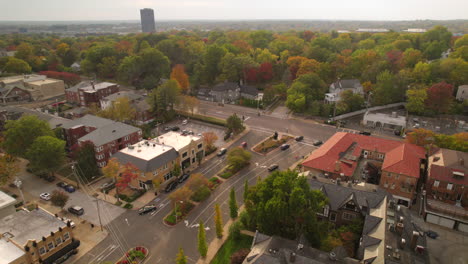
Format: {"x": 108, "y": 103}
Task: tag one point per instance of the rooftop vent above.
{"x": 131, "y": 147}
{"x": 113, "y": 131}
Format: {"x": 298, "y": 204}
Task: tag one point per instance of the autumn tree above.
{"x": 46, "y": 153}
{"x": 121, "y": 110}
{"x": 209, "y": 138}
{"x": 420, "y": 137}
{"x": 238, "y": 158}
{"x": 15, "y": 65}
{"x": 196, "y": 181}
{"x": 233, "y": 204}
{"x": 59, "y": 198}
{"x": 180, "y": 195}
{"x": 189, "y": 103}
{"x": 111, "y": 170}
{"x": 178, "y": 74}
{"x": 416, "y": 99}
{"x": 9, "y": 168}
{"x": 440, "y": 97}
{"x": 218, "y": 218}
{"x": 181, "y": 258}
{"x": 129, "y": 173}
{"x": 202, "y": 246}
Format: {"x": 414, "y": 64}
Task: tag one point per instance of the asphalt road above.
{"x": 130, "y": 229}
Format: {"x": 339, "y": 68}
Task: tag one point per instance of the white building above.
{"x": 340, "y": 86}
{"x": 189, "y": 147}
{"x": 381, "y": 120}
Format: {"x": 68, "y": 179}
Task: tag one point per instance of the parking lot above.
{"x": 196, "y": 126}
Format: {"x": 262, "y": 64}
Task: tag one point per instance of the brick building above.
{"x": 107, "y": 136}
{"x": 343, "y": 155}
{"x": 86, "y": 93}
{"x": 39, "y": 87}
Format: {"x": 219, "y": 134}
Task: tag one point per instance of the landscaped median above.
{"x": 134, "y": 256}
{"x": 208, "y": 119}
{"x": 270, "y": 143}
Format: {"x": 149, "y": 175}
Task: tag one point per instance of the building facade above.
{"x": 147, "y": 20}
{"x": 190, "y": 148}
{"x": 39, "y": 87}
{"x": 87, "y": 93}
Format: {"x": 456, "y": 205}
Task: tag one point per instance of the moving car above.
{"x": 61, "y": 185}
{"x": 244, "y": 144}
{"x": 171, "y": 186}
{"x": 221, "y": 152}
{"x": 77, "y": 210}
{"x": 284, "y": 147}
{"x": 317, "y": 143}
{"x": 299, "y": 138}
{"x": 184, "y": 177}
{"x": 69, "y": 188}
{"x": 45, "y": 196}
{"x": 273, "y": 167}
{"x": 147, "y": 209}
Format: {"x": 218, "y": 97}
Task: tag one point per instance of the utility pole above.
{"x": 99, "y": 213}
{"x": 18, "y": 184}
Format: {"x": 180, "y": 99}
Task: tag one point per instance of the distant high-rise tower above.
{"x": 147, "y": 20}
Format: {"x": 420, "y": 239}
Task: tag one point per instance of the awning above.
{"x": 74, "y": 244}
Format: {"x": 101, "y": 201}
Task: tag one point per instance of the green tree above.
{"x": 59, "y": 198}
{"x": 260, "y": 38}
{"x": 422, "y": 72}
{"x": 305, "y": 89}
{"x": 238, "y": 158}
{"x": 20, "y": 134}
{"x": 85, "y": 157}
{"x": 384, "y": 90}
{"x": 9, "y": 168}
{"x": 416, "y": 99}
{"x": 164, "y": 97}
{"x": 350, "y": 101}
{"x": 234, "y": 124}
{"x": 121, "y": 110}
{"x": 211, "y": 59}
{"x": 46, "y": 153}
{"x": 202, "y": 246}
{"x": 181, "y": 258}
{"x": 218, "y": 218}
{"x": 233, "y": 204}
{"x": 176, "y": 170}
{"x": 15, "y": 65}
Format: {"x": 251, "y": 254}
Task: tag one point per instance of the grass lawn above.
{"x": 230, "y": 247}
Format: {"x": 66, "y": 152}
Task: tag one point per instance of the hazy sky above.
{"x": 234, "y": 9}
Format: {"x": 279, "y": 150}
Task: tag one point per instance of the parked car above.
{"x": 184, "y": 177}
{"x": 147, "y": 209}
{"x": 61, "y": 185}
{"x": 284, "y": 147}
{"x": 221, "y": 152}
{"x": 49, "y": 178}
{"x": 432, "y": 234}
{"x": 273, "y": 167}
{"x": 107, "y": 186}
{"x": 299, "y": 138}
{"x": 171, "y": 186}
{"x": 365, "y": 133}
{"x": 66, "y": 220}
{"x": 397, "y": 132}
{"x": 70, "y": 188}
{"x": 184, "y": 122}
{"x": 45, "y": 196}
{"x": 243, "y": 144}
{"x": 176, "y": 128}
{"x": 191, "y": 132}
{"x": 317, "y": 143}
{"x": 77, "y": 210}
{"x": 167, "y": 128}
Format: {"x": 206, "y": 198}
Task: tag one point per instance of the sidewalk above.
{"x": 143, "y": 200}
{"x": 89, "y": 238}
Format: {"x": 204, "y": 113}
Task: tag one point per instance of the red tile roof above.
{"x": 448, "y": 162}
{"x": 400, "y": 157}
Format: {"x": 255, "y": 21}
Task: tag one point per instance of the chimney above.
{"x": 337, "y": 165}
{"x": 292, "y": 257}
{"x": 394, "y": 114}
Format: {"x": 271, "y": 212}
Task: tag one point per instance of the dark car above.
{"x": 299, "y": 138}
{"x": 243, "y": 144}
{"x": 432, "y": 234}
{"x": 50, "y": 178}
{"x": 171, "y": 186}
{"x": 284, "y": 147}
{"x": 70, "y": 188}
{"x": 77, "y": 210}
{"x": 397, "y": 132}
{"x": 176, "y": 128}
{"x": 61, "y": 184}
{"x": 147, "y": 209}
{"x": 317, "y": 143}
{"x": 221, "y": 152}
{"x": 365, "y": 133}
{"x": 184, "y": 177}
{"x": 273, "y": 167}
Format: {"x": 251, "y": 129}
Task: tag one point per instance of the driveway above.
{"x": 33, "y": 186}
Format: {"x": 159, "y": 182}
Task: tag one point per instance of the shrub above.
{"x": 234, "y": 230}
{"x": 170, "y": 219}
{"x": 118, "y": 203}
{"x": 226, "y": 175}
{"x": 135, "y": 254}
{"x": 128, "y": 206}
{"x": 201, "y": 194}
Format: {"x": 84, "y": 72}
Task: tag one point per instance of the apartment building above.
{"x": 87, "y": 93}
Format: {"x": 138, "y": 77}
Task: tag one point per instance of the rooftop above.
{"x": 16, "y": 112}
{"x": 130, "y": 95}
{"x": 109, "y": 132}
{"x": 33, "y": 225}
{"x": 147, "y": 155}
{"x": 176, "y": 140}
{"x": 87, "y": 86}
{"x": 44, "y": 81}
{"x": 6, "y": 200}
{"x": 9, "y": 252}
{"x": 89, "y": 121}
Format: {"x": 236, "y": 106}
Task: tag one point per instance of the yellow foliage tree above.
{"x": 178, "y": 74}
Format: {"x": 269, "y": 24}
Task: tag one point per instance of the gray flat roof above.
{"x": 109, "y": 133}
{"x": 6, "y": 200}
{"x": 24, "y": 225}
{"x": 88, "y": 120}
{"x": 9, "y": 252}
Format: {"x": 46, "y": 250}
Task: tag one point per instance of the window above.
{"x": 193, "y": 152}
{"x": 380, "y": 156}
{"x": 99, "y": 149}
{"x": 50, "y": 246}
{"x": 326, "y": 210}
{"x": 450, "y": 186}
{"x": 155, "y": 172}
{"x": 199, "y": 146}
{"x": 389, "y": 174}
{"x": 436, "y": 183}
{"x": 167, "y": 176}
{"x": 42, "y": 250}
{"x": 333, "y": 217}
{"x": 347, "y": 216}
{"x": 184, "y": 155}
{"x": 66, "y": 236}
{"x": 386, "y": 185}
{"x": 165, "y": 166}
{"x": 126, "y": 138}
{"x": 58, "y": 241}
{"x": 193, "y": 160}
{"x": 139, "y": 132}
{"x": 393, "y": 186}
{"x": 397, "y": 176}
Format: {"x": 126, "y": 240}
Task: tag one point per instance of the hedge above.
{"x": 208, "y": 119}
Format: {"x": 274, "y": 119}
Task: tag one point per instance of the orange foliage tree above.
{"x": 209, "y": 138}
{"x": 178, "y": 74}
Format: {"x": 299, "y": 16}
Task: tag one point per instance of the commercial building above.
{"x": 385, "y": 121}
{"x": 147, "y": 20}
{"x": 345, "y": 156}
{"x": 87, "y": 93}
{"x": 33, "y": 237}
{"x": 34, "y": 87}
{"x": 7, "y": 204}
{"x": 190, "y": 148}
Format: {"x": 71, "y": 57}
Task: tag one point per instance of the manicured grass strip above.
{"x": 208, "y": 119}
{"x": 230, "y": 247}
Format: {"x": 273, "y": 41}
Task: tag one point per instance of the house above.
{"x": 226, "y": 92}
{"x": 462, "y": 93}
{"x": 7, "y": 205}
{"x": 343, "y": 155}
{"x": 37, "y": 236}
{"x": 16, "y": 112}
{"x": 15, "y": 93}
{"x": 340, "y": 86}
{"x": 109, "y": 100}
{"x": 107, "y": 136}
{"x": 39, "y": 87}
{"x": 386, "y": 121}
{"x": 189, "y": 147}
{"x": 277, "y": 250}
{"x": 446, "y": 195}
{"x": 204, "y": 94}
{"x": 143, "y": 114}
{"x": 76, "y": 67}
{"x": 154, "y": 161}
{"x": 87, "y": 93}
{"x": 249, "y": 92}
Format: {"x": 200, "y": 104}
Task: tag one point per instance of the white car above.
{"x": 45, "y": 196}
{"x": 66, "y": 220}
{"x": 184, "y": 122}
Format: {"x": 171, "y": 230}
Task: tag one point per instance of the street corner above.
{"x": 89, "y": 236}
